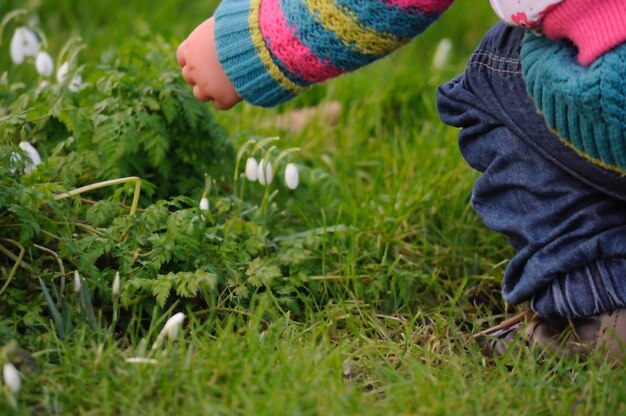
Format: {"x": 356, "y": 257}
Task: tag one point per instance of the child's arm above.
{"x": 268, "y": 51}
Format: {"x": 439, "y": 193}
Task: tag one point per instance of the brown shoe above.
{"x": 605, "y": 333}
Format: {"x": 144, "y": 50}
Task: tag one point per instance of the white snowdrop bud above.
{"x": 251, "y": 169}
{"x": 31, "y": 43}
{"x": 33, "y": 155}
{"x": 44, "y": 64}
{"x": 11, "y": 377}
{"x": 440, "y": 59}
{"x": 204, "y": 203}
{"x": 62, "y": 72}
{"x": 115, "y": 290}
{"x": 24, "y": 43}
{"x": 265, "y": 172}
{"x": 171, "y": 326}
{"x": 16, "y": 48}
{"x": 291, "y": 176}
{"x": 77, "y": 281}
{"x": 75, "y": 83}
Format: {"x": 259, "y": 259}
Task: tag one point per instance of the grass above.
{"x": 389, "y": 172}
{"x": 343, "y": 360}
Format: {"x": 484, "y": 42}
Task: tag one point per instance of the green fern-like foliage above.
{"x": 134, "y": 116}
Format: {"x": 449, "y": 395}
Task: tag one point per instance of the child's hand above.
{"x": 201, "y": 69}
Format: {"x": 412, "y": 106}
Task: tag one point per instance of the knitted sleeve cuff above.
{"x": 244, "y": 57}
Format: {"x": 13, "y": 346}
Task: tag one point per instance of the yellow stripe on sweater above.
{"x": 264, "y": 54}
{"x": 344, "y": 24}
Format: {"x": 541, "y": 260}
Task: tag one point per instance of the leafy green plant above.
{"x": 130, "y": 133}
{"x": 170, "y": 248}
{"x": 132, "y": 116}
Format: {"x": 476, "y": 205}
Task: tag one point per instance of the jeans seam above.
{"x": 505, "y": 71}
{"x": 497, "y": 57}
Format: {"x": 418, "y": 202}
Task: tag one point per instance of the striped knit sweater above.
{"x": 272, "y": 50}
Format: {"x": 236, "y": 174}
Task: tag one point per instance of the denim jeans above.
{"x": 565, "y": 217}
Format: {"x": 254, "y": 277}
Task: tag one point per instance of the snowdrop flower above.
{"x": 62, "y": 72}
{"x": 291, "y": 176}
{"x": 77, "y": 282}
{"x": 23, "y": 44}
{"x": 44, "y": 64}
{"x": 251, "y": 169}
{"x": 33, "y": 155}
{"x": 170, "y": 329}
{"x": 115, "y": 290}
{"x": 31, "y": 43}
{"x": 75, "y": 83}
{"x": 204, "y": 204}
{"x": 11, "y": 377}
{"x": 265, "y": 172}
{"x": 17, "y": 48}
{"x": 440, "y": 59}
{"x": 171, "y": 326}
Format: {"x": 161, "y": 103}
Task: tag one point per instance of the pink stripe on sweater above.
{"x": 429, "y": 6}
{"x": 285, "y": 45}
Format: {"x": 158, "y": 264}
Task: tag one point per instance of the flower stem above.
{"x": 240, "y": 153}
{"x": 61, "y": 268}
{"x": 18, "y": 261}
{"x": 104, "y": 184}
{"x": 8, "y": 17}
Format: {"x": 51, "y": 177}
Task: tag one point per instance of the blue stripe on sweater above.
{"x": 381, "y": 17}
{"x": 323, "y": 43}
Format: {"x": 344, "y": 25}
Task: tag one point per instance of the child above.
{"x": 553, "y": 182}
